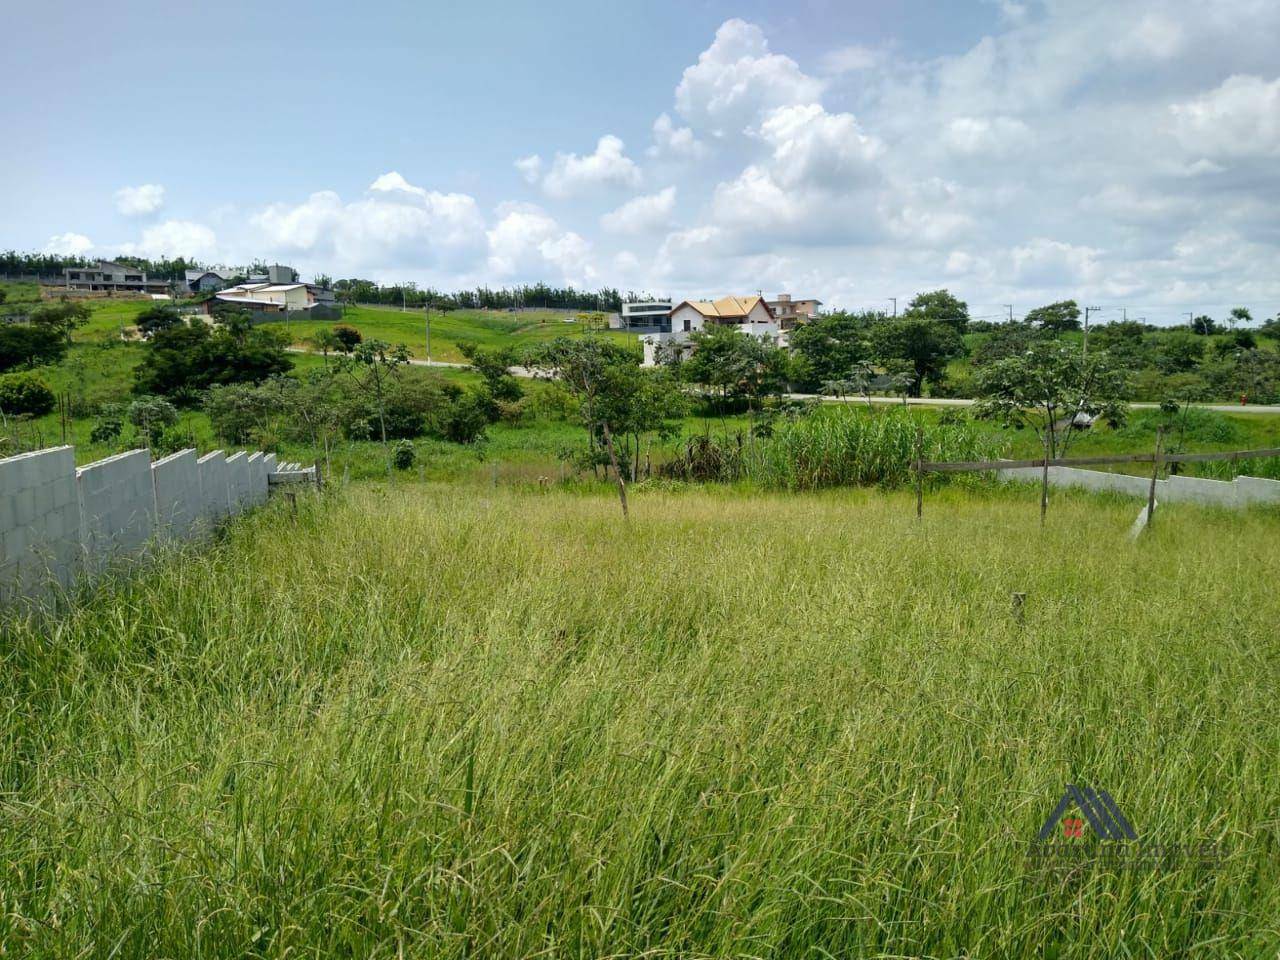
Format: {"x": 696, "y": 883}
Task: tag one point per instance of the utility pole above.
{"x": 1191, "y": 320}
{"x": 1085, "y": 346}
{"x": 427, "y": 308}
{"x": 1009, "y": 306}
{"x": 895, "y": 305}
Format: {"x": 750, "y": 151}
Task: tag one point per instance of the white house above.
{"x": 749, "y": 315}
{"x": 268, "y": 296}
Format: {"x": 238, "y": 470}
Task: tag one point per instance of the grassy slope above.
{"x": 442, "y": 722}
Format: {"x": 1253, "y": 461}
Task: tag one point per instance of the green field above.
{"x": 448, "y": 721}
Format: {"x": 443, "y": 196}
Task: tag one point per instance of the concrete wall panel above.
{"x": 117, "y": 506}
{"x": 179, "y": 508}
{"x": 214, "y": 495}
{"x": 1256, "y": 490}
{"x": 238, "y": 482}
{"x": 257, "y": 479}
{"x": 1214, "y": 493}
{"x": 39, "y": 523}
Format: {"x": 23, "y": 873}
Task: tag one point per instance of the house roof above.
{"x": 726, "y": 308}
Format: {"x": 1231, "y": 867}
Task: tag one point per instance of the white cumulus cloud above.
{"x": 527, "y": 244}
{"x": 72, "y": 244}
{"x": 1239, "y": 118}
{"x": 571, "y": 175}
{"x": 140, "y": 201}
{"x": 737, "y": 79}
{"x": 642, "y": 214}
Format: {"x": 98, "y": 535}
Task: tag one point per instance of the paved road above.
{"x": 912, "y": 401}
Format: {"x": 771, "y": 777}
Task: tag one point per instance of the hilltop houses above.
{"x": 106, "y": 276}
{"x": 752, "y": 315}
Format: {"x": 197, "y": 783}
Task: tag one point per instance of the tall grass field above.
{"x": 455, "y": 721}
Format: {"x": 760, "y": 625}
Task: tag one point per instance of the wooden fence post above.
{"x": 919, "y": 472}
{"x": 1155, "y": 473}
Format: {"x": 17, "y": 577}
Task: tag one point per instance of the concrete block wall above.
{"x": 39, "y": 522}
{"x": 238, "y": 481}
{"x": 117, "y": 506}
{"x": 58, "y": 522}
{"x": 1215, "y": 493}
{"x": 257, "y": 479}
{"x": 215, "y": 499}
{"x": 179, "y": 508}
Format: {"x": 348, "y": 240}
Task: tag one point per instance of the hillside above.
{"x": 443, "y": 721}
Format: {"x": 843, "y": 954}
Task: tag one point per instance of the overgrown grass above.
{"x": 833, "y": 446}
{"x": 440, "y": 721}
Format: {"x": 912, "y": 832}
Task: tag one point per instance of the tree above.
{"x": 348, "y": 337}
{"x": 494, "y": 366}
{"x": 155, "y": 318}
{"x": 372, "y": 367}
{"x": 63, "y": 316}
{"x": 1179, "y": 352}
{"x": 926, "y": 345}
{"x": 1007, "y": 340}
{"x": 326, "y": 341}
{"x": 831, "y": 346}
{"x": 1048, "y": 388}
{"x": 598, "y": 373}
{"x": 1058, "y": 317}
{"x": 1204, "y": 326}
{"x": 25, "y": 395}
{"x": 1240, "y": 315}
{"x": 940, "y": 306}
{"x": 736, "y": 365}
{"x": 24, "y": 345}
{"x": 183, "y": 361}
{"x": 151, "y": 415}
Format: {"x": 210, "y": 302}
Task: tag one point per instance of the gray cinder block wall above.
{"x": 39, "y": 522}
{"x": 238, "y": 481}
{"x": 214, "y": 493}
{"x": 179, "y": 506}
{"x": 117, "y": 506}
{"x": 258, "y": 482}
{"x": 1214, "y": 493}
{"x": 58, "y": 522}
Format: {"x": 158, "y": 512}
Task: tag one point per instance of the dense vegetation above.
{"x": 421, "y": 721}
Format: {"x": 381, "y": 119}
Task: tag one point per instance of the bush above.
{"x": 107, "y": 429}
{"x": 347, "y": 337}
{"x": 24, "y": 345}
{"x": 25, "y": 395}
{"x": 403, "y": 455}
{"x": 152, "y": 414}
{"x": 467, "y": 417}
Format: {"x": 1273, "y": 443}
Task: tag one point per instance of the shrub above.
{"x": 25, "y": 395}
{"x": 347, "y": 337}
{"x": 152, "y": 414}
{"x": 25, "y": 345}
{"x": 467, "y": 417}
{"x": 403, "y": 455}
{"x": 107, "y": 429}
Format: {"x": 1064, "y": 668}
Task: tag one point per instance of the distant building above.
{"x": 209, "y": 281}
{"x": 651, "y": 316}
{"x": 113, "y": 277}
{"x": 789, "y": 312}
{"x": 266, "y": 297}
{"x": 750, "y": 315}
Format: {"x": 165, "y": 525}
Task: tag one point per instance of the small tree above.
{"x": 25, "y": 395}
{"x": 326, "y": 341}
{"x": 63, "y": 316}
{"x": 1048, "y": 388}
{"x": 372, "y": 366}
{"x": 348, "y": 337}
{"x": 157, "y": 318}
{"x": 926, "y": 345}
{"x": 1057, "y": 317}
{"x": 1240, "y": 315}
{"x": 150, "y": 415}
{"x": 598, "y": 373}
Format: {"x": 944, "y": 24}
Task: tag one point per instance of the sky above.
{"x": 1125, "y": 154}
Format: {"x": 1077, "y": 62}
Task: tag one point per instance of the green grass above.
{"x": 486, "y": 328}
{"x": 445, "y": 721}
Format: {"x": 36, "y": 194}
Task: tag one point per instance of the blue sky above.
{"x": 1122, "y": 153}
